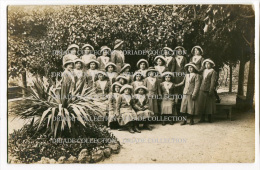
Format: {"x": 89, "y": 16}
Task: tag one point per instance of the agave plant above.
{"x": 58, "y": 111}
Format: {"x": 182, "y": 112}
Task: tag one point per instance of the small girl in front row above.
{"x": 141, "y": 105}
{"x": 115, "y": 93}
{"x": 190, "y": 92}
{"x": 125, "y": 112}
{"x": 167, "y": 106}
{"x": 138, "y": 80}
{"x": 207, "y": 100}
{"x": 104, "y": 59}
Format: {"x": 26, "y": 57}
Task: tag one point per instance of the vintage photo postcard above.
{"x": 111, "y": 84}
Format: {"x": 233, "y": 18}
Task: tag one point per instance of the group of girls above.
{"x": 150, "y": 91}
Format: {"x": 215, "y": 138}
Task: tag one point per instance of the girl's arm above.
{"x": 118, "y": 105}
{"x": 181, "y": 83}
{"x": 212, "y": 83}
{"x": 197, "y": 87}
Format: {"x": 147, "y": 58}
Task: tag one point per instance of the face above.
{"x": 142, "y": 66}
{"x": 126, "y": 70}
{"x": 168, "y": 78}
{"x": 105, "y": 52}
{"x": 179, "y": 52}
{"x": 92, "y": 66}
{"x": 159, "y": 62}
{"x": 117, "y": 89}
{"x": 110, "y": 69}
{"x": 127, "y": 91}
{"x": 196, "y": 51}
{"x": 208, "y": 65}
{"x": 191, "y": 69}
{"x": 138, "y": 77}
{"x": 151, "y": 74}
{"x": 166, "y": 52}
{"x": 78, "y": 65}
{"x": 100, "y": 76}
{"x": 70, "y": 66}
{"x": 122, "y": 81}
{"x": 87, "y": 50}
{"x": 141, "y": 91}
{"x": 73, "y": 51}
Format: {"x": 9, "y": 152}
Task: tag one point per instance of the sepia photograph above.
{"x": 113, "y": 84}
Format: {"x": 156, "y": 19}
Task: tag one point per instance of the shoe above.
{"x": 163, "y": 123}
{"x": 147, "y": 126}
{"x": 171, "y": 122}
{"x": 136, "y": 129}
{"x": 201, "y": 120}
{"x": 130, "y": 129}
{"x": 191, "y": 122}
{"x": 184, "y": 123}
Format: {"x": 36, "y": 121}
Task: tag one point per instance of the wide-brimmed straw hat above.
{"x": 141, "y": 87}
{"x": 210, "y": 61}
{"x": 142, "y": 60}
{"x": 193, "y": 65}
{"x": 121, "y": 76}
{"x": 115, "y": 84}
{"x": 88, "y": 45}
{"x": 67, "y": 60}
{"x": 160, "y": 57}
{"x": 198, "y": 47}
{"x": 105, "y": 48}
{"x": 151, "y": 69}
{"x": 79, "y": 60}
{"x": 101, "y": 72}
{"x": 126, "y": 86}
{"x": 167, "y": 73}
{"x": 110, "y": 64}
{"x": 118, "y": 42}
{"x": 92, "y": 61}
{"x": 125, "y": 66}
{"x": 73, "y": 46}
{"x": 168, "y": 48}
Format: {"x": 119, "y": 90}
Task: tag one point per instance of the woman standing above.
{"x": 197, "y": 58}
{"x": 80, "y": 76}
{"x": 104, "y": 59}
{"x": 170, "y": 61}
{"x": 138, "y": 80}
{"x": 190, "y": 92}
{"x": 125, "y": 72}
{"x": 88, "y": 50}
{"x": 117, "y": 56}
{"x": 207, "y": 104}
{"x": 71, "y": 53}
{"x": 111, "y": 72}
{"x": 142, "y": 65}
{"x": 91, "y": 73}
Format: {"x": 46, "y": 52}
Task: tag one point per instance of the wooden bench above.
{"x": 222, "y": 106}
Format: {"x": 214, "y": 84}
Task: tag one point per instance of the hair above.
{"x": 94, "y": 63}
{"x": 167, "y": 75}
{"x": 146, "y": 65}
{"x": 195, "y": 71}
{"x": 141, "y": 76}
{"x": 164, "y": 63}
{"x": 145, "y": 91}
{"x": 197, "y": 49}
{"x": 65, "y": 65}
{"x": 114, "y": 68}
{"x": 113, "y": 89}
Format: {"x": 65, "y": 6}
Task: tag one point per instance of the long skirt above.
{"x": 206, "y": 103}
{"x": 188, "y": 105}
{"x": 167, "y": 107}
{"x": 111, "y": 117}
{"x": 153, "y": 105}
{"x": 142, "y": 115}
{"x": 126, "y": 115}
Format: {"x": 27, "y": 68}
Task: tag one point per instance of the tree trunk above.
{"x": 230, "y": 77}
{"x": 23, "y": 73}
{"x": 251, "y": 82}
{"x": 240, "y": 90}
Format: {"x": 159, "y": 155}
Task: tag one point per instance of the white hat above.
{"x": 91, "y": 61}
{"x": 142, "y": 60}
{"x": 167, "y": 73}
{"x": 115, "y": 84}
{"x": 78, "y": 60}
{"x": 141, "y": 87}
{"x": 161, "y": 57}
{"x": 118, "y": 42}
{"x": 73, "y": 46}
{"x": 125, "y": 66}
{"x": 121, "y": 76}
{"x": 88, "y": 45}
{"x": 151, "y": 69}
{"x": 210, "y": 61}
{"x": 105, "y": 48}
{"x": 67, "y": 60}
{"x": 101, "y": 72}
{"x": 168, "y": 48}
{"x": 191, "y": 64}
{"x": 126, "y": 86}
{"x": 110, "y": 64}
{"x": 198, "y": 48}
